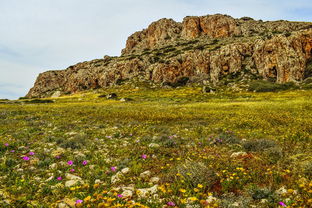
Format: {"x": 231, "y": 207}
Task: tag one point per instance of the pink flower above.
{"x": 119, "y": 195}
{"x": 79, "y": 201}
{"x": 282, "y": 204}
{"x": 113, "y": 168}
{"x": 12, "y": 151}
{"x": 144, "y": 156}
{"x": 58, "y": 156}
{"x": 26, "y": 158}
{"x": 85, "y": 162}
{"x": 72, "y": 170}
{"x": 171, "y": 204}
{"x": 6, "y": 144}
{"x": 70, "y": 162}
{"x": 31, "y": 153}
{"x": 59, "y": 178}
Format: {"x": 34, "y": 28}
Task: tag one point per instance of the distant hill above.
{"x": 206, "y": 49}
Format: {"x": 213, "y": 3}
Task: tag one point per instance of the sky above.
{"x": 41, "y": 35}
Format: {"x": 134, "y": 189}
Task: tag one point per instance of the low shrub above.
{"x": 195, "y": 173}
{"x": 266, "y": 86}
{"x": 308, "y": 169}
{"x": 273, "y": 154}
{"x": 259, "y": 145}
{"x": 76, "y": 142}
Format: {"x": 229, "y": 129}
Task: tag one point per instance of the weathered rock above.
{"x": 153, "y": 145}
{"x": 73, "y": 180}
{"x": 56, "y": 94}
{"x": 71, "y": 183}
{"x": 145, "y": 174}
{"x": 238, "y": 154}
{"x": 59, "y": 151}
{"x": 201, "y": 49}
{"x": 117, "y": 177}
{"x": 147, "y": 192}
{"x": 155, "y": 180}
{"x": 125, "y": 170}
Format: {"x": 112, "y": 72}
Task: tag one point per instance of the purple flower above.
{"x": 72, "y": 170}
{"x": 59, "y": 178}
{"x": 171, "y": 204}
{"x": 26, "y": 158}
{"x": 31, "y": 153}
{"x": 58, "y": 156}
{"x": 85, "y": 162}
{"x": 282, "y": 204}
{"x": 79, "y": 201}
{"x": 113, "y": 168}
{"x": 144, "y": 156}
{"x": 119, "y": 195}
{"x": 12, "y": 151}
{"x": 6, "y": 144}
{"x": 70, "y": 162}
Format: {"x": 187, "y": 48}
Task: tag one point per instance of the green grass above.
{"x": 192, "y": 129}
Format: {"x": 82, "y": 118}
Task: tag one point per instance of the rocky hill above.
{"x": 200, "y": 49}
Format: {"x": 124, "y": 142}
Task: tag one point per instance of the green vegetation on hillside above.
{"x": 161, "y": 148}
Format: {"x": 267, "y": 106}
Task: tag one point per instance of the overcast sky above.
{"x": 41, "y": 35}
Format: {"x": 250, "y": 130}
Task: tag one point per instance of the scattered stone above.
{"x": 70, "y": 202}
{"x": 50, "y": 178}
{"x": 71, "y": 183}
{"x": 72, "y": 177}
{"x": 211, "y": 199}
{"x": 53, "y": 166}
{"x": 117, "y": 177}
{"x": 281, "y": 191}
{"x": 127, "y": 193}
{"x": 98, "y": 181}
{"x": 147, "y": 192}
{"x": 111, "y": 96}
{"x": 238, "y": 154}
{"x": 125, "y": 170}
{"x": 56, "y": 94}
{"x": 145, "y": 174}
{"x": 153, "y": 145}
{"x": 73, "y": 180}
{"x": 58, "y": 151}
{"x": 235, "y": 204}
{"x": 63, "y": 205}
{"x": 155, "y": 180}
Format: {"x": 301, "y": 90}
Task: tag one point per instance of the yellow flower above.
{"x": 96, "y": 185}
{"x": 193, "y": 198}
{"x": 196, "y": 189}
{"x": 87, "y": 199}
{"x": 182, "y": 190}
{"x": 183, "y": 201}
{"x": 200, "y": 186}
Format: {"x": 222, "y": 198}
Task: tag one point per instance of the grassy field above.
{"x": 162, "y": 148}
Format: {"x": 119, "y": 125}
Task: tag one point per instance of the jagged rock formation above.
{"x": 203, "y": 48}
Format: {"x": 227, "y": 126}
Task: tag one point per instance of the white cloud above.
{"x": 37, "y": 35}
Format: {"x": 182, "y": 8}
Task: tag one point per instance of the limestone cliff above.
{"x": 201, "y": 48}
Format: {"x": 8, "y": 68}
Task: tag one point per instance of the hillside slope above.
{"x": 202, "y": 49}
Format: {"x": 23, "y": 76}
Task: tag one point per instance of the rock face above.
{"x": 203, "y": 48}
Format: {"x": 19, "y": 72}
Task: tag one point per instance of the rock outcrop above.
{"x": 203, "y": 48}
